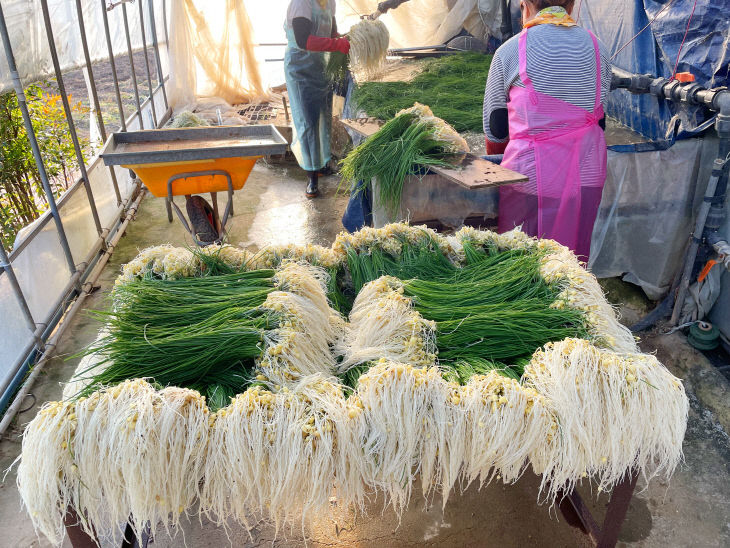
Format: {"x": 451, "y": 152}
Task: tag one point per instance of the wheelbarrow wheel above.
{"x": 202, "y": 220}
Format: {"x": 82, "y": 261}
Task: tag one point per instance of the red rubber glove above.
{"x": 495, "y": 148}
{"x": 320, "y": 43}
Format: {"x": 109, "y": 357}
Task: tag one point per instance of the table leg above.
{"x": 578, "y": 515}
{"x": 76, "y": 534}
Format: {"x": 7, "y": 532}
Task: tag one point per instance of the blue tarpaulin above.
{"x": 705, "y": 54}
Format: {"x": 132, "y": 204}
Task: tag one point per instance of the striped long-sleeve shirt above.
{"x": 560, "y": 62}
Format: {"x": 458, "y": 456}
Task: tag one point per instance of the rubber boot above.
{"x": 313, "y": 185}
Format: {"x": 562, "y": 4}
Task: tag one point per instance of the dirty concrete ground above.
{"x": 691, "y": 510}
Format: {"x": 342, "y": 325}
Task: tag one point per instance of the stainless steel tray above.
{"x": 172, "y": 145}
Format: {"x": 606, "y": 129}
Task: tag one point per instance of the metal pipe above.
{"x": 147, "y": 62}
{"x": 87, "y": 59}
{"x": 696, "y": 239}
{"x": 94, "y": 93}
{"x": 24, "y": 308}
{"x": 53, "y": 341}
{"x": 42, "y": 173}
{"x": 164, "y": 26}
{"x": 165, "y": 116}
{"x": 155, "y": 43}
{"x": 131, "y": 66}
{"x": 113, "y": 65}
{"x": 69, "y": 115}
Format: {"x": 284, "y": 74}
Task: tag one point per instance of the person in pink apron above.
{"x": 554, "y": 118}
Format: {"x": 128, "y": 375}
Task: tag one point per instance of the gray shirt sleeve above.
{"x": 495, "y": 95}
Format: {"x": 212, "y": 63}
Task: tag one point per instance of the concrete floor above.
{"x": 692, "y": 510}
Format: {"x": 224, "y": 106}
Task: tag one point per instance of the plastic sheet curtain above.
{"x": 213, "y": 43}
{"x": 28, "y": 35}
{"x": 648, "y": 211}
{"x": 212, "y": 53}
{"x": 423, "y": 22}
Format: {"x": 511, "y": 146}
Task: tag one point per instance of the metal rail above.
{"x": 147, "y": 61}
{"x": 95, "y": 93}
{"x": 130, "y": 53}
{"x": 113, "y": 65}
{"x": 156, "y": 46}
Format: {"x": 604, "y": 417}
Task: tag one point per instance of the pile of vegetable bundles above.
{"x": 240, "y": 385}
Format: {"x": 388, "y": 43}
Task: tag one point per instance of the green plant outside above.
{"x": 22, "y": 199}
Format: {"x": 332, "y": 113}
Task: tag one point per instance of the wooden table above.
{"x": 471, "y": 172}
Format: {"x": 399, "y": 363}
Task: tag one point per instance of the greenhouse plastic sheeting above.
{"x": 420, "y": 22}
{"x": 706, "y": 54}
{"x": 41, "y": 266}
{"x": 720, "y": 314}
{"x": 15, "y": 333}
{"x": 648, "y": 212}
{"x": 30, "y": 46}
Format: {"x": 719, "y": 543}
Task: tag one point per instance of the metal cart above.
{"x": 192, "y": 161}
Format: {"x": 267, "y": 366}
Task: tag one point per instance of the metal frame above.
{"x": 578, "y": 515}
{"x": 170, "y": 203}
{"x": 113, "y": 64}
{"x": 156, "y": 46}
{"x": 44, "y": 332}
{"x": 69, "y": 116}
{"x": 94, "y": 93}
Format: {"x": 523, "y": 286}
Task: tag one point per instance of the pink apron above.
{"x": 562, "y": 149}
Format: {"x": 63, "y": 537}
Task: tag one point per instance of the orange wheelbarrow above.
{"x": 192, "y": 161}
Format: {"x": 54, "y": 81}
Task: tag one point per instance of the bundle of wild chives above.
{"x": 402, "y": 146}
{"x": 212, "y": 262}
{"x": 498, "y": 307}
{"x": 462, "y": 370}
{"x": 188, "y": 300}
{"x": 507, "y": 331}
{"x": 335, "y": 292}
{"x": 184, "y": 356}
{"x": 422, "y": 260}
{"x": 337, "y": 67}
{"x": 452, "y": 85}
{"x": 201, "y": 333}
